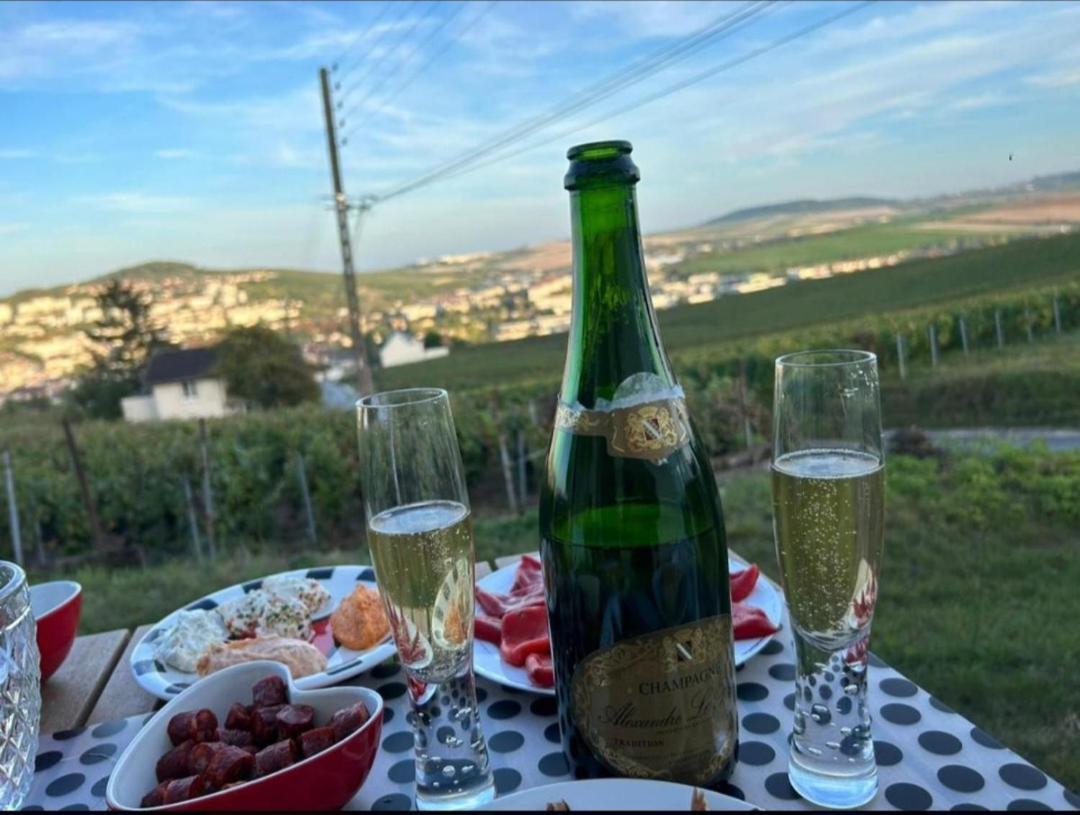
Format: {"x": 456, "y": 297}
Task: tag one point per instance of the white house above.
{"x": 403, "y": 349}
{"x": 182, "y": 386}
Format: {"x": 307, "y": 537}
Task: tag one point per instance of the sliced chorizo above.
{"x": 276, "y": 757}
{"x": 183, "y": 789}
{"x": 348, "y": 720}
{"x": 156, "y": 796}
{"x": 269, "y": 692}
{"x": 201, "y": 755}
{"x": 315, "y": 741}
{"x": 180, "y": 728}
{"x": 237, "y": 738}
{"x": 229, "y": 764}
{"x": 204, "y": 726}
{"x": 292, "y": 720}
{"x": 174, "y": 764}
{"x": 264, "y": 725}
{"x": 238, "y": 718}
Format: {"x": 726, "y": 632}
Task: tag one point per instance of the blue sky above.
{"x": 137, "y": 131}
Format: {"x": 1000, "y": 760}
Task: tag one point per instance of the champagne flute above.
{"x": 828, "y": 478}
{"x": 420, "y": 532}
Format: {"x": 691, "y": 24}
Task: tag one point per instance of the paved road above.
{"x": 1057, "y": 440}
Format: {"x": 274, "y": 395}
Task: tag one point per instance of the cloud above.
{"x": 32, "y": 51}
{"x": 139, "y": 203}
{"x": 979, "y": 101}
{"x": 1057, "y": 79}
{"x": 654, "y": 18}
{"x": 175, "y": 153}
{"x": 16, "y": 153}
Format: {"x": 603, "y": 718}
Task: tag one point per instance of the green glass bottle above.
{"x": 632, "y": 533}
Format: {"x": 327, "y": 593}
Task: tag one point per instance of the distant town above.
{"x": 427, "y": 309}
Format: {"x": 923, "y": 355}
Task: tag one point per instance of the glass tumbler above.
{"x": 828, "y": 488}
{"x": 421, "y": 537}
{"x": 20, "y": 691}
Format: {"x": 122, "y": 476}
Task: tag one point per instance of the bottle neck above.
{"x": 613, "y": 332}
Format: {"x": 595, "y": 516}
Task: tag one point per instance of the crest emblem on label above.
{"x": 651, "y": 430}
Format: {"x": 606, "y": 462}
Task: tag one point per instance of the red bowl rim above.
{"x": 375, "y": 716}
{"x": 66, "y": 601}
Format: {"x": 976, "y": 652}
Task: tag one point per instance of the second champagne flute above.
{"x": 420, "y": 532}
{"x": 828, "y": 475}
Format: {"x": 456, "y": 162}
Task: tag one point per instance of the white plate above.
{"x": 165, "y": 681}
{"x": 613, "y": 795}
{"x": 489, "y": 663}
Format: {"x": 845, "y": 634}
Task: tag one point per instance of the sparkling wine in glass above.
{"x": 420, "y": 532}
{"x": 828, "y": 487}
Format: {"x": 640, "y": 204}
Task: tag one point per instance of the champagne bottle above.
{"x": 632, "y": 533}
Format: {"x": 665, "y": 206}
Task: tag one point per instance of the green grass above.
{"x": 1016, "y": 266}
{"x": 978, "y": 601}
{"x": 1025, "y": 384}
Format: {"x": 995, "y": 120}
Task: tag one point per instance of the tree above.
{"x": 125, "y": 336}
{"x": 125, "y": 329}
{"x": 265, "y": 369}
{"x": 433, "y": 339}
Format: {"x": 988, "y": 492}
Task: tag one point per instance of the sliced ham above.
{"x": 524, "y": 632}
{"x": 750, "y": 622}
{"x": 742, "y": 583}
{"x": 540, "y": 670}
{"x": 488, "y": 629}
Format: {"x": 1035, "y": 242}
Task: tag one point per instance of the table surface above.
{"x": 928, "y": 755}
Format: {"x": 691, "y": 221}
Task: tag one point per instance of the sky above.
{"x": 194, "y": 131}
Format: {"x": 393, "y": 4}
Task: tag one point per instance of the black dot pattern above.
{"x": 909, "y": 797}
{"x": 960, "y": 778}
{"x": 940, "y": 743}
{"x": 760, "y": 723}
{"x": 900, "y": 714}
{"x": 1022, "y": 776}
{"x": 756, "y": 753}
{"x": 1027, "y": 805}
{"x": 927, "y": 755}
{"x": 751, "y": 691}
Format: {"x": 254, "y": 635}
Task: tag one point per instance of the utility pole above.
{"x": 341, "y": 207}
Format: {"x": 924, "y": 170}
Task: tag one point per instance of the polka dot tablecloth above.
{"x": 928, "y": 756}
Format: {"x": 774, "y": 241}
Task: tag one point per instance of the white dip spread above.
{"x": 191, "y": 633}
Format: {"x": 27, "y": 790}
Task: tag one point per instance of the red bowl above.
{"x": 56, "y": 607}
{"x": 326, "y": 781}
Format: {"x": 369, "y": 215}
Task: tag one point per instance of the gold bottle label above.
{"x": 661, "y": 705}
{"x": 652, "y": 430}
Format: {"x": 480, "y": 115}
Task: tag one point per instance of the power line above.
{"x": 417, "y": 50}
{"x": 436, "y": 54}
{"x": 336, "y": 66}
{"x": 669, "y": 90}
{"x": 620, "y": 80}
{"x": 378, "y": 62}
{"x": 374, "y": 46}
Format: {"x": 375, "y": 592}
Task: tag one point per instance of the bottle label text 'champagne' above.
{"x": 656, "y": 705}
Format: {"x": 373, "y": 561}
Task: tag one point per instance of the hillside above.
{"x": 801, "y": 207}
{"x": 1016, "y": 266}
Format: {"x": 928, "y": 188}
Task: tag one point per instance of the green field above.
{"x": 873, "y": 240}
{"x": 978, "y": 587}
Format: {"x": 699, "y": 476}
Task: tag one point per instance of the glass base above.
{"x": 470, "y": 799}
{"x": 834, "y": 791}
